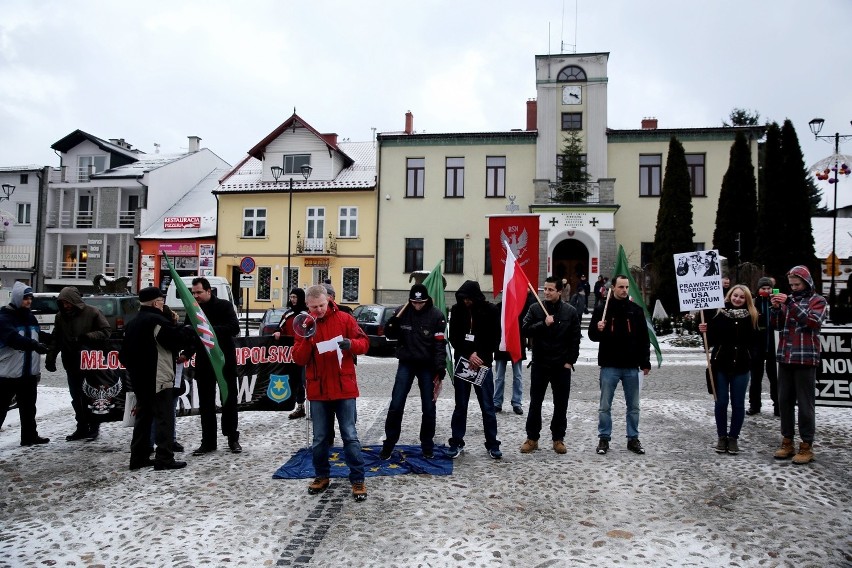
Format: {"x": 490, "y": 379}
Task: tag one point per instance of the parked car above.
{"x": 372, "y": 319}
{"x": 221, "y": 288}
{"x": 118, "y": 310}
{"x": 269, "y": 321}
{"x": 45, "y": 308}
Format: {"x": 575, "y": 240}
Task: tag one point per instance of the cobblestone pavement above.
{"x": 681, "y": 504}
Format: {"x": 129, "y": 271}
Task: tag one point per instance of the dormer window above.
{"x": 88, "y": 165}
{"x": 571, "y": 73}
{"x": 293, "y": 163}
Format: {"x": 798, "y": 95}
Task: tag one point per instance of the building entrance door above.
{"x": 570, "y": 261}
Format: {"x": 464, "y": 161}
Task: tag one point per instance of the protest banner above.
{"x": 699, "y": 280}
{"x": 834, "y": 378}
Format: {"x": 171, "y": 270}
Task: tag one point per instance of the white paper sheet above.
{"x": 332, "y": 345}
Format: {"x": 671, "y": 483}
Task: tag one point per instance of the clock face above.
{"x": 572, "y": 95}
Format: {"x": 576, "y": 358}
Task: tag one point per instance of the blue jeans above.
{"x": 559, "y": 379}
{"x": 485, "y": 396}
{"x": 322, "y": 414}
{"x": 517, "y": 385}
{"x": 405, "y": 375}
{"x": 629, "y": 378}
{"x": 730, "y": 386}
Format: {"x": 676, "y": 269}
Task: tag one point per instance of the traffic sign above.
{"x": 247, "y": 265}
{"x": 246, "y": 280}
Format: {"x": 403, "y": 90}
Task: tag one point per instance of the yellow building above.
{"x": 435, "y": 193}
{"x": 303, "y": 200}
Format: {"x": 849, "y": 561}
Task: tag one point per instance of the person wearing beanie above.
{"x": 420, "y": 328}
{"x": 763, "y": 351}
{"x": 329, "y": 290}
{"x": 20, "y": 361}
{"x": 77, "y": 326}
{"x": 295, "y": 307}
{"x": 150, "y": 342}
{"x": 798, "y": 317}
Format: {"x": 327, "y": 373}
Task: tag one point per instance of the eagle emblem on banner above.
{"x": 516, "y": 243}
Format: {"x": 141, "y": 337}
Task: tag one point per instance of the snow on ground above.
{"x": 77, "y": 504}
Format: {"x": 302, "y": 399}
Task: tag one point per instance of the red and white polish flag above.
{"x": 514, "y": 298}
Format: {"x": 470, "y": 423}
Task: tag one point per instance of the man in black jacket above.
{"x": 147, "y": 353}
{"x": 474, "y": 335}
{"x": 624, "y": 349}
{"x": 221, "y": 315}
{"x": 556, "y": 346}
{"x": 420, "y": 328}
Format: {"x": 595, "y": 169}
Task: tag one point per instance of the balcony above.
{"x": 72, "y": 270}
{"x": 575, "y": 192}
{"x": 327, "y": 245}
{"x": 126, "y": 219}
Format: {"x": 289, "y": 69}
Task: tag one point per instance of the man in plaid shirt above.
{"x": 798, "y": 317}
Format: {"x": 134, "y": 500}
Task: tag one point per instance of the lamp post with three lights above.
{"x": 826, "y": 172}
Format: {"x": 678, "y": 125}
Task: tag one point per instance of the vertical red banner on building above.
{"x": 520, "y": 233}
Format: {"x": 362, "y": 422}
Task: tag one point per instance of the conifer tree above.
{"x": 575, "y": 178}
{"x": 737, "y": 208}
{"x": 771, "y": 212}
{"x": 674, "y": 226}
{"x": 796, "y": 194}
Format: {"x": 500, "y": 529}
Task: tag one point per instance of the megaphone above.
{"x": 304, "y": 325}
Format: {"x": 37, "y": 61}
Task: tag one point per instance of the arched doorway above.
{"x": 570, "y": 260}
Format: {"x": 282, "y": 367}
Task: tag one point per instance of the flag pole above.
{"x": 709, "y": 365}
{"x": 606, "y": 305}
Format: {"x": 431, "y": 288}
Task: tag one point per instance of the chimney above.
{"x": 409, "y": 123}
{"x": 121, "y": 143}
{"x": 532, "y": 118}
{"x": 330, "y": 138}
{"x": 649, "y": 123}
{"x": 194, "y": 144}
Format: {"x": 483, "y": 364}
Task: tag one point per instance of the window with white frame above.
{"x": 348, "y": 217}
{"x": 254, "y": 222}
{"x": 293, "y": 163}
{"x": 320, "y": 274}
{"x": 87, "y": 165}
{"x": 315, "y": 229}
{"x": 351, "y": 283}
{"x": 24, "y": 213}
{"x": 264, "y": 282}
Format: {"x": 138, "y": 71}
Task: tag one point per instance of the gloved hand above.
{"x": 40, "y": 348}
{"x": 344, "y": 344}
{"x": 50, "y": 365}
{"x": 441, "y": 373}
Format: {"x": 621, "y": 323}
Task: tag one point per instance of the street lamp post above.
{"x": 836, "y": 171}
{"x": 8, "y": 190}
{"x": 276, "y": 173}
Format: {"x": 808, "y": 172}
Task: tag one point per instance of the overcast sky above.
{"x": 230, "y": 72}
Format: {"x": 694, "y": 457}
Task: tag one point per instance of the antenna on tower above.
{"x": 562, "y": 43}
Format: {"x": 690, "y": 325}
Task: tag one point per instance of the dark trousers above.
{"x": 559, "y": 379}
{"x": 797, "y": 388}
{"x": 78, "y": 402}
{"x": 485, "y": 396}
{"x": 405, "y": 375}
{"x": 25, "y": 391}
{"x": 207, "y": 401}
{"x": 758, "y": 362}
{"x": 157, "y": 409}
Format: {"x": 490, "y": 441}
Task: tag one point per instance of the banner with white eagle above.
{"x": 520, "y": 234}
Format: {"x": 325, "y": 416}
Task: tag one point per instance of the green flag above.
{"x": 434, "y": 283}
{"x": 202, "y": 328}
{"x": 621, "y": 267}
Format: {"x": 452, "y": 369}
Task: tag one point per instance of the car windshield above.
{"x": 273, "y": 316}
{"x": 44, "y": 305}
{"x": 368, "y": 314}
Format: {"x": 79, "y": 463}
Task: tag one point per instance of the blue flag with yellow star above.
{"x": 404, "y": 459}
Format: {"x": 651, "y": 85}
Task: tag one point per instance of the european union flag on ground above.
{"x": 404, "y": 459}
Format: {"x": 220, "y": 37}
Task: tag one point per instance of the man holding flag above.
{"x": 216, "y": 315}
{"x": 621, "y": 327}
{"x": 554, "y": 327}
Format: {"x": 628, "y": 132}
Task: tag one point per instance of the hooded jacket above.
{"x": 286, "y": 323}
{"x": 799, "y": 321}
{"x": 474, "y": 330}
{"x": 326, "y": 378}
{"x": 19, "y": 331}
{"x": 421, "y": 334}
{"x": 150, "y": 340}
{"x": 82, "y": 327}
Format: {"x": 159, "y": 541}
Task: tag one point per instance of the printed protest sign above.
{"x": 699, "y": 280}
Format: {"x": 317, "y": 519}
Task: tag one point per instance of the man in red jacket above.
{"x": 328, "y": 358}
